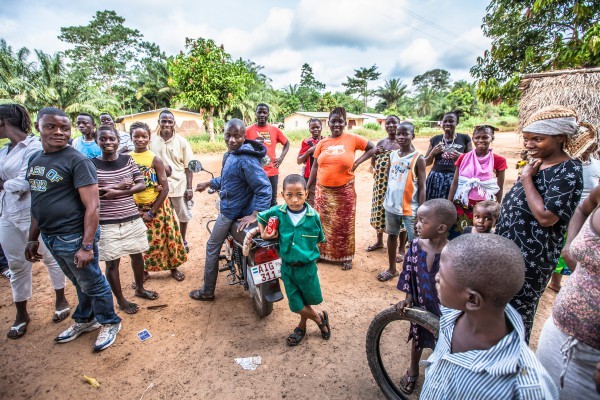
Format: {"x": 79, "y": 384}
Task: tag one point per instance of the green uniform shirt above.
{"x": 297, "y": 244}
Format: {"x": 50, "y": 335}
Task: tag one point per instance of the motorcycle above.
{"x": 250, "y": 261}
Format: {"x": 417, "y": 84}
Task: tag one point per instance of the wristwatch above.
{"x": 87, "y": 246}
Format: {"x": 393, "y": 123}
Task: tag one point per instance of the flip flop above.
{"x": 346, "y": 265}
{"x": 386, "y": 275}
{"x": 148, "y": 295}
{"x": 407, "y": 380}
{"x": 19, "y": 330}
{"x": 374, "y": 247}
{"x": 6, "y": 273}
{"x": 61, "y": 315}
{"x": 178, "y": 275}
{"x": 198, "y": 295}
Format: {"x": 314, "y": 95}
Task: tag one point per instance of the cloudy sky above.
{"x": 403, "y": 37}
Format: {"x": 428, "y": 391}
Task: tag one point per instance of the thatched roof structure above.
{"x": 578, "y": 89}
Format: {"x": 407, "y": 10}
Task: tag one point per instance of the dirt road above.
{"x": 193, "y": 345}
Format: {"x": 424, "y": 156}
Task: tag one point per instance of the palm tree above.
{"x": 426, "y": 101}
{"x": 392, "y": 91}
{"x": 15, "y": 73}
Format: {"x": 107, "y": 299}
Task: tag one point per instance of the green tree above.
{"x": 289, "y": 101}
{"x": 348, "y": 102}
{"x": 260, "y": 91}
{"x": 462, "y": 97}
{"x": 105, "y": 49}
{"x": 309, "y": 89}
{"x": 426, "y": 101}
{"x": 207, "y": 79}
{"x": 151, "y": 83}
{"x": 534, "y": 36}
{"x": 326, "y": 103}
{"x": 391, "y": 91}
{"x": 359, "y": 83}
{"x": 436, "y": 79}
{"x": 16, "y": 73}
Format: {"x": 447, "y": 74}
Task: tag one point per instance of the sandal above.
{"x": 177, "y": 275}
{"x": 386, "y": 275}
{"x": 186, "y": 247}
{"x": 61, "y": 315}
{"x": 296, "y": 337}
{"x": 374, "y": 247}
{"x": 19, "y": 331}
{"x": 6, "y": 273}
{"x": 347, "y": 265}
{"x": 408, "y": 383}
{"x": 198, "y": 295}
{"x": 325, "y": 324}
{"x": 148, "y": 295}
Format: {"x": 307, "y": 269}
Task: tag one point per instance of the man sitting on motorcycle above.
{"x": 244, "y": 190}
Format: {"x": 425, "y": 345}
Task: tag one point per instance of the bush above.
{"x": 372, "y": 126}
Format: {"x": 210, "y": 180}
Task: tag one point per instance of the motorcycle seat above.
{"x": 240, "y": 236}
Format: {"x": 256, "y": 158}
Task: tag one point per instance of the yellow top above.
{"x": 144, "y": 162}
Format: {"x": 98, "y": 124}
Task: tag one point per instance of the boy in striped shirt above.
{"x": 481, "y": 352}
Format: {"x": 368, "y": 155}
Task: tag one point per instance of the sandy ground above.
{"x": 193, "y": 345}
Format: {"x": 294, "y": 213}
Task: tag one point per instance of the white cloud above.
{"x": 417, "y": 58}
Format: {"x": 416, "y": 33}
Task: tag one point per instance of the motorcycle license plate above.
{"x": 266, "y": 272}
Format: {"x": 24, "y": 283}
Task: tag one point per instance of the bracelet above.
{"x": 150, "y": 214}
{"x": 189, "y": 190}
{"x": 33, "y": 241}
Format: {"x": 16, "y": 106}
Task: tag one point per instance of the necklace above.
{"x": 446, "y": 142}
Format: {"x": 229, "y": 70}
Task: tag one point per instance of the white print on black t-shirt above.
{"x": 39, "y": 185}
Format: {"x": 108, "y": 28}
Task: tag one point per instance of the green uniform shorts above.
{"x": 301, "y": 285}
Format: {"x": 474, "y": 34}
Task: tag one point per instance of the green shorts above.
{"x": 301, "y": 285}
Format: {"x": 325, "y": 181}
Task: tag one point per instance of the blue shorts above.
{"x": 394, "y": 222}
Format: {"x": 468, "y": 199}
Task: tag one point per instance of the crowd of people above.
{"x": 110, "y": 194}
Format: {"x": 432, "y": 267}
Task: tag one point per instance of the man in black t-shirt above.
{"x": 65, "y": 209}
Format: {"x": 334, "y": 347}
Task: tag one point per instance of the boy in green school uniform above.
{"x": 299, "y": 233}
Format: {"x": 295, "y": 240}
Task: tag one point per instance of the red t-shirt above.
{"x": 307, "y": 144}
{"x": 271, "y": 135}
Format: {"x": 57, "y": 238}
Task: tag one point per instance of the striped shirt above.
{"x": 123, "y": 208}
{"x": 508, "y": 370}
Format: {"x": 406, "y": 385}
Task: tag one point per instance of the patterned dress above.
{"x": 382, "y": 161}
{"x": 166, "y": 244}
{"x": 560, "y": 187}
{"x": 417, "y": 280}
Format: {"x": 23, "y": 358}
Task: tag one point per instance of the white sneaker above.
{"x": 107, "y": 336}
{"x": 77, "y": 329}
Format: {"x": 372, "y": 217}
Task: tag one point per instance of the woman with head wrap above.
{"x": 537, "y": 209}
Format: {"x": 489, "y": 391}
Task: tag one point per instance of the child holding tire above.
{"x": 299, "y": 231}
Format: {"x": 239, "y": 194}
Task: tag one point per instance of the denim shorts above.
{"x": 395, "y": 222}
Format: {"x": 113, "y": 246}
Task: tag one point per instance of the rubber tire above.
{"x": 261, "y": 306}
{"x": 381, "y": 320}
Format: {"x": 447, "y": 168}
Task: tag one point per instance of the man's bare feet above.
{"x": 127, "y": 306}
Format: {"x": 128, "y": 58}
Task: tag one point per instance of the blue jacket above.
{"x": 243, "y": 184}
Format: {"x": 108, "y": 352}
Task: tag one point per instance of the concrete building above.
{"x": 299, "y": 120}
{"x": 186, "y": 122}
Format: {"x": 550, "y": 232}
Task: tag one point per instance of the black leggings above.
{"x": 274, "y": 181}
